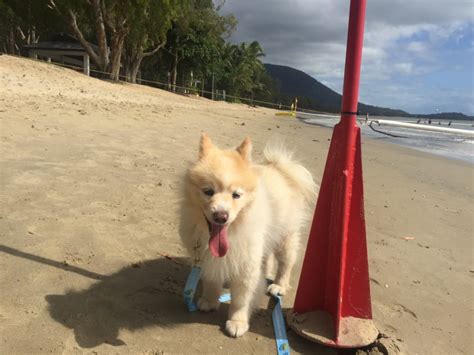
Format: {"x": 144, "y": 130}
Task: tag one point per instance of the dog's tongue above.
{"x": 218, "y": 244}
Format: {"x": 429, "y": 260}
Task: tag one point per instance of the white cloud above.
{"x": 401, "y": 37}
{"x": 403, "y": 68}
{"x": 419, "y": 49}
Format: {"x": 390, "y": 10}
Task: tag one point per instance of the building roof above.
{"x": 59, "y": 43}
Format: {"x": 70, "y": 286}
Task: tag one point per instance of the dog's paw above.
{"x": 276, "y": 290}
{"x": 236, "y": 328}
{"x": 207, "y": 306}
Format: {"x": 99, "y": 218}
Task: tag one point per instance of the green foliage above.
{"x": 7, "y": 24}
{"x": 149, "y": 23}
{"x": 241, "y": 69}
{"x": 182, "y": 42}
{"x": 197, "y": 36}
{"x": 25, "y": 22}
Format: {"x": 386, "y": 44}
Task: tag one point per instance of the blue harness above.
{"x": 283, "y": 347}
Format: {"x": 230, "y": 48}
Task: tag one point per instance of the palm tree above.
{"x": 242, "y": 67}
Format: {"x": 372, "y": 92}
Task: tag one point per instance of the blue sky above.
{"x": 418, "y": 55}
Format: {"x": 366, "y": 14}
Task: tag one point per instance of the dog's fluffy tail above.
{"x": 282, "y": 159}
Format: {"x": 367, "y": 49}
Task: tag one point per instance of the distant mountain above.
{"x": 316, "y": 96}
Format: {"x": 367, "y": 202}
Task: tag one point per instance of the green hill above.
{"x": 316, "y": 96}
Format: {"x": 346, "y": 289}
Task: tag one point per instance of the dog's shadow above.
{"x": 137, "y": 296}
{"x": 143, "y": 295}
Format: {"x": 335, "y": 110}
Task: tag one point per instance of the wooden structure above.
{"x": 61, "y": 49}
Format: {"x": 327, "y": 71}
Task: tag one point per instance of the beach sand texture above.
{"x": 91, "y": 174}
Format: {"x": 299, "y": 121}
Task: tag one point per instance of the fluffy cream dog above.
{"x": 236, "y": 214}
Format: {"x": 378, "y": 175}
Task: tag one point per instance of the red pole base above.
{"x": 318, "y": 326}
{"x": 332, "y": 304}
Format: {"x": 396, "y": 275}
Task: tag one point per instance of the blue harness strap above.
{"x": 224, "y": 298}
{"x": 283, "y": 347}
{"x": 190, "y": 288}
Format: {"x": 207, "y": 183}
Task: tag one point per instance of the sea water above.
{"x": 454, "y": 146}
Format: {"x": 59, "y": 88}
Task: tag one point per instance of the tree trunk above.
{"x": 137, "y": 58}
{"x": 100, "y": 33}
{"x": 98, "y": 60}
{"x": 135, "y": 68}
{"x": 128, "y": 73}
{"x": 130, "y": 63}
{"x": 32, "y": 38}
{"x": 174, "y": 71}
{"x": 116, "y": 55}
{"x": 133, "y": 60}
{"x": 11, "y": 42}
{"x": 127, "y": 62}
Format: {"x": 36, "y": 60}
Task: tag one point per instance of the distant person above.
{"x": 439, "y": 123}
{"x": 366, "y": 118}
{"x": 429, "y": 121}
{"x": 449, "y": 124}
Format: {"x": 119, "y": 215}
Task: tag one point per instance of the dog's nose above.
{"x": 220, "y": 217}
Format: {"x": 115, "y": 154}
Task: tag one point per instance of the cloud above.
{"x": 403, "y": 39}
{"x": 419, "y": 49}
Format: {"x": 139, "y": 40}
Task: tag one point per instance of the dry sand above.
{"x": 90, "y": 179}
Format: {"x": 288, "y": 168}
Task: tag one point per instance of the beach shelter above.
{"x": 61, "y": 49}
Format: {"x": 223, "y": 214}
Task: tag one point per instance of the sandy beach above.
{"x": 90, "y": 175}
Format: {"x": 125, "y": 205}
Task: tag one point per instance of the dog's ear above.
{"x": 205, "y": 145}
{"x": 245, "y": 149}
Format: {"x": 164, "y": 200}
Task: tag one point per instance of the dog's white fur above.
{"x": 266, "y": 220}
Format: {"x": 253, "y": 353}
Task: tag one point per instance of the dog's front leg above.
{"x": 209, "y": 301}
{"x": 244, "y": 292}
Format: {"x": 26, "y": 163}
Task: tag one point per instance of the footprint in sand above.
{"x": 402, "y": 309}
{"x": 396, "y": 309}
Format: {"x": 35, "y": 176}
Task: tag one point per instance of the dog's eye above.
{"x": 236, "y": 195}
{"x": 208, "y": 192}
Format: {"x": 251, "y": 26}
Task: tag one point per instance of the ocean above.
{"x": 454, "y": 146}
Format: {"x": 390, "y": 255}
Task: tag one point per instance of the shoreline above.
{"x": 449, "y": 146}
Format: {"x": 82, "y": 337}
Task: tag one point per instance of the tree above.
{"x": 242, "y": 69}
{"x": 150, "y": 22}
{"x": 108, "y": 17}
{"x": 192, "y": 34}
{"x": 24, "y": 22}
{"x": 196, "y": 38}
{"x": 7, "y": 28}
{"x": 269, "y": 90}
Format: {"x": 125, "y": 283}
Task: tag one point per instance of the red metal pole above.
{"x": 349, "y": 108}
{"x": 332, "y": 304}
{"x": 355, "y": 39}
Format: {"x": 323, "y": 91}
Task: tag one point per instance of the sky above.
{"x": 418, "y": 54}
